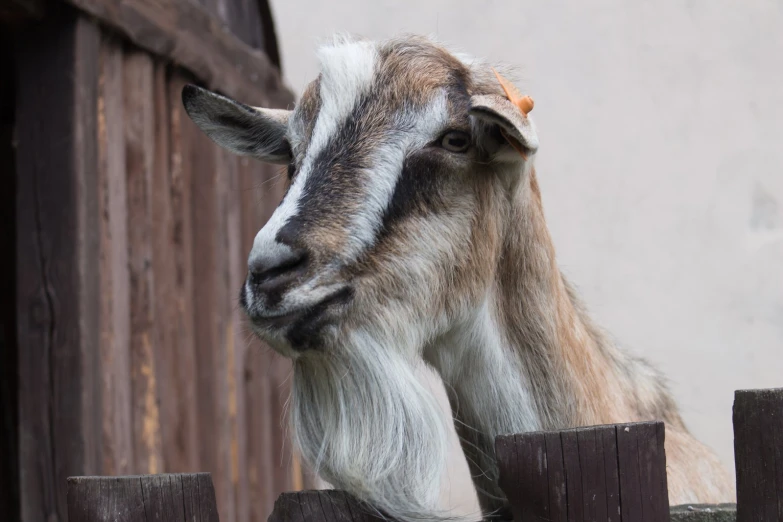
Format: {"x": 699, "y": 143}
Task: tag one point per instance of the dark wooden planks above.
{"x": 758, "y": 454}
{"x": 236, "y": 344}
{"x": 211, "y": 309}
{"x": 573, "y": 475}
{"x": 178, "y": 360}
{"x": 58, "y": 241}
{"x": 139, "y": 163}
{"x": 642, "y": 465}
{"x": 598, "y": 473}
{"x": 241, "y": 16}
{"x": 591, "y": 462}
{"x": 145, "y": 498}
{"x": 612, "y": 474}
{"x": 114, "y": 274}
{"x": 164, "y": 274}
{"x": 556, "y": 478}
{"x": 185, "y": 33}
{"x": 322, "y": 506}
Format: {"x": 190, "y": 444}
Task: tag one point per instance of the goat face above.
{"x": 399, "y": 184}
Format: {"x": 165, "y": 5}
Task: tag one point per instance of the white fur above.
{"x": 388, "y": 159}
{"x": 347, "y": 73}
{"x": 367, "y": 425}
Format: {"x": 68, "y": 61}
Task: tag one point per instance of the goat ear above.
{"x": 517, "y": 128}
{"x": 243, "y": 130}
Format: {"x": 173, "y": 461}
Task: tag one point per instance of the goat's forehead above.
{"x": 401, "y": 73}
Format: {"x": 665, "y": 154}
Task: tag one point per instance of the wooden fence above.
{"x": 613, "y": 473}
{"x": 131, "y": 234}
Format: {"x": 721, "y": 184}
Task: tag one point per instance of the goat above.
{"x": 412, "y": 232}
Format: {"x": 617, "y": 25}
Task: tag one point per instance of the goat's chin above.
{"x": 366, "y": 425}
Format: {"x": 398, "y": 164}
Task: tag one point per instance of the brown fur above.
{"x": 463, "y": 248}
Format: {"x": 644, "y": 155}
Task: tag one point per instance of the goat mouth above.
{"x": 302, "y": 325}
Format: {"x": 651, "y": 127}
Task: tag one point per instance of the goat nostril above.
{"x": 265, "y": 270}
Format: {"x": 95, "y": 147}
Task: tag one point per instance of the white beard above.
{"x": 367, "y": 425}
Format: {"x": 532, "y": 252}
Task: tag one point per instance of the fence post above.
{"x": 758, "y": 454}
{"x": 602, "y": 473}
{"x": 142, "y": 498}
{"x": 322, "y": 506}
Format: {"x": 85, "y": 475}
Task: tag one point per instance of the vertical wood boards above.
{"x": 236, "y": 343}
{"x": 114, "y": 275}
{"x": 600, "y": 473}
{"x": 139, "y": 127}
{"x": 322, "y": 506}
{"x": 180, "y": 427}
{"x": 147, "y": 498}
{"x": 131, "y": 235}
{"x": 758, "y": 454}
{"x": 211, "y": 316}
{"x": 58, "y": 241}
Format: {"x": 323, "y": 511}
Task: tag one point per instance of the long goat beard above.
{"x": 367, "y": 425}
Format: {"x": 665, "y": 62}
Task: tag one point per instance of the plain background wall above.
{"x": 661, "y": 167}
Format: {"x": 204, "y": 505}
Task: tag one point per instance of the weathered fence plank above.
{"x": 235, "y": 339}
{"x": 599, "y": 473}
{"x": 114, "y": 275}
{"x": 139, "y": 162}
{"x": 164, "y": 274}
{"x": 322, "y": 506}
{"x": 185, "y": 33}
{"x": 142, "y": 498}
{"x": 58, "y": 239}
{"x": 179, "y": 359}
{"x": 211, "y": 311}
{"x": 758, "y": 451}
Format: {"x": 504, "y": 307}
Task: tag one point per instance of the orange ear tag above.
{"x": 523, "y": 103}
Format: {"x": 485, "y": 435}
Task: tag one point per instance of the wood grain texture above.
{"x": 758, "y": 453}
{"x": 573, "y": 474}
{"x": 187, "y": 34}
{"x": 139, "y": 164}
{"x": 211, "y": 310}
{"x": 599, "y": 473}
{"x": 558, "y": 501}
{"x": 322, "y": 506}
{"x": 180, "y": 426}
{"x": 58, "y": 240}
{"x": 114, "y": 274}
{"x": 236, "y": 344}
{"x": 164, "y": 274}
{"x": 145, "y": 498}
{"x": 608, "y": 440}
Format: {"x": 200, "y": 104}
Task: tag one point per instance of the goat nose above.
{"x": 270, "y": 267}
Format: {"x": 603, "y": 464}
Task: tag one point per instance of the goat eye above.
{"x": 455, "y": 141}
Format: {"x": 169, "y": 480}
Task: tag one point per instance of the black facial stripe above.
{"x": 416, "y": 191}
{"x": 330, "y": 191}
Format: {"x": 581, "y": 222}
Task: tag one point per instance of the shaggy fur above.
{"x": 413, "y": 232}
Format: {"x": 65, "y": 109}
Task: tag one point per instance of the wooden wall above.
{"x": 133, "y": 231}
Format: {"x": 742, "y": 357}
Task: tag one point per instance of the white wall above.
{"x": 661, "y": 167}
